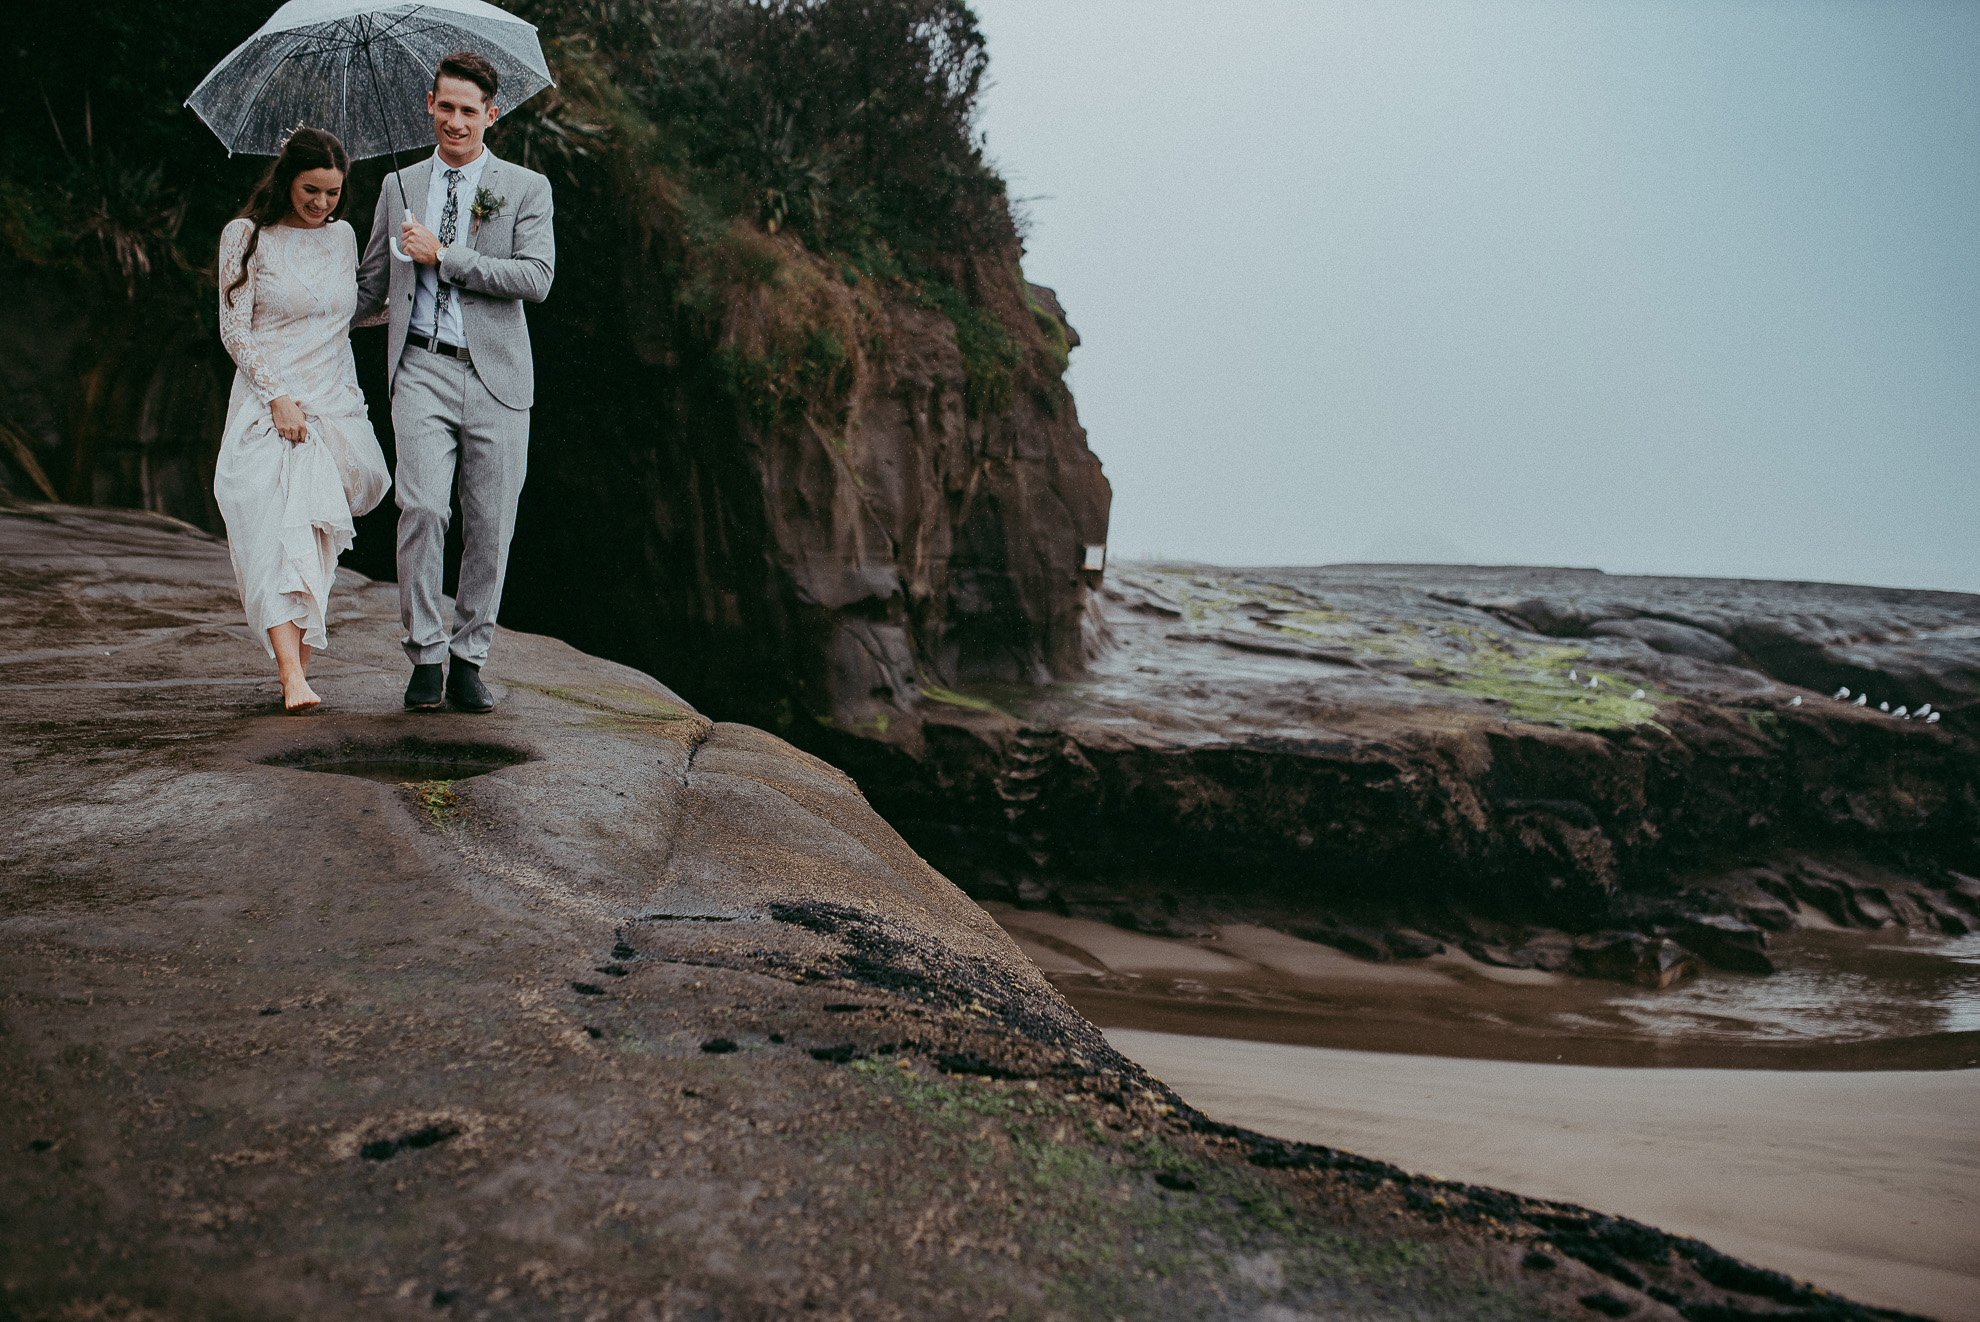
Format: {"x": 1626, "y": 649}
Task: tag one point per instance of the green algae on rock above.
{"x": 1424, "y": 746}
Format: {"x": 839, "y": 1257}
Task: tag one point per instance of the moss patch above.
{"x": 1527, "y": 682}
{"x": 1131, "y": 1222}
{"x": 1534, "y": 685}
{"x": 436, "y": 799}
{"x": 936, "y": 693}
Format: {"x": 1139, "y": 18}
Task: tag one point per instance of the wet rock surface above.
{"x": 654, "y": 1017}
{"x": 1503, "y": 759}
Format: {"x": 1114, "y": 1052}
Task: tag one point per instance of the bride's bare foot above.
{"x": 297, "y": 695}
{"x": 291, "y": 662}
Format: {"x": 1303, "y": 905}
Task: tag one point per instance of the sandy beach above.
{"x": 1867, "y": 1183}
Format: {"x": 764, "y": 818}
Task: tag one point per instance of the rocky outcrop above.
{"x": 806, "y": 571}
{"x": 592, "y": 1004}
{"x": 1406, "y": 746}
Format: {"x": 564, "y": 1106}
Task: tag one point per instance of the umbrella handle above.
{"x": 397, "y": 251}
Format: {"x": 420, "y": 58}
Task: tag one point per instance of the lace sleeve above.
{"x": 237, "y": 319}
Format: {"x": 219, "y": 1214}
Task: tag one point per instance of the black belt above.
{"x": 434, "y": 344}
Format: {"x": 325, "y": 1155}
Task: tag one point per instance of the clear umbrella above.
{"x": 357, "y": 68}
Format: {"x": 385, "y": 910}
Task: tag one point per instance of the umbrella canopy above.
{"x": 358, "y": 68}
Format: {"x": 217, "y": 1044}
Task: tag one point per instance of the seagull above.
{"x": 1923, "y": 710}
{"x": 1902, "y": 711}
{"x": 1636, "y": 696}
{"x": 1795, "y": 702}
{"x": 1862, "y": 698}
{"x": 1575, "y": 677}
{"x": 1933, "y": 719}
{"x": 1592, "y": 681}
{"x": 1839, "y": 694}
{"x": 1883, "y": 706}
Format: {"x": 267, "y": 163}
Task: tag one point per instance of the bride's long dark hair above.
{"x": 306, "y": 149}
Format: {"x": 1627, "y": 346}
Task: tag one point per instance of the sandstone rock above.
{"x": 1833, "y": 899}
{"x": 1048, "y": 299}
{"x": 1664, "y": 636}
{"x": 1550, "y": 952}
{"x": 1364, "y": 731}
{"x": 1361, "y": 942}
{"x": 1499, "y": 956}
{"x": 1768, "y": 917}
{"x": 1721, "y": 940}
{"x": 1412, "y": 945}
{"x": 1651, "y": 962}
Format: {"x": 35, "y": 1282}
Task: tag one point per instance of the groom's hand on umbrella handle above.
{"x": 290, "y": 424}
{"x": 419, "y": 242}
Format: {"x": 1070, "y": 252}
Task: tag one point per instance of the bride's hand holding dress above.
{"x": 290, "y": 504}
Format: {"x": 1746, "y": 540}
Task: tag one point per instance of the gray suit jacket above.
{"x": 508, "y": 259}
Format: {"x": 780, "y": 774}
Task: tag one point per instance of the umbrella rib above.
{"x": 411, "y": 50}
{"x": 248, "y": 108}
{"x": 381, "y": 29}
{"x": 413, "y": 14}
{"x": 400, "y": 20}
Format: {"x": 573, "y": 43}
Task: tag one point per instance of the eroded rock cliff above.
{"x": 817, "y": 565}
{"x": 1411, "y": 743}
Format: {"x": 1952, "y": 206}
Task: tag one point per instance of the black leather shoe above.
{"x": 424, "y": 692}
{"x": 465, "y": 689}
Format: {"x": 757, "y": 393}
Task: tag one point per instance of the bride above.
{"x": 298, "y": 460}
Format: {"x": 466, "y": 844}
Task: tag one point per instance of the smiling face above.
{"x": 461, "y": 115}
{"x": 314, "y": 195}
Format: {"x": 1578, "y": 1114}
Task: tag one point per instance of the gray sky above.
{"x": 1685, "y": 288}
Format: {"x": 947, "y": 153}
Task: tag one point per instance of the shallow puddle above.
{"x": 402, "y": 761}
{"x": 399, "y": 771}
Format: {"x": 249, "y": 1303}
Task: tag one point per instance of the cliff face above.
{"x": 810, "y": 563}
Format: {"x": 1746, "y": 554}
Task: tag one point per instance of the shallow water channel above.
{"x": 1824, "y": 1121}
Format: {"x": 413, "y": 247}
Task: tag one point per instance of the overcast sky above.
{"x": 1686, "y": 288}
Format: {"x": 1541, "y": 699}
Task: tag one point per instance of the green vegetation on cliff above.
{"x": 784, "y": 167}
{"x": 797, "y": 157}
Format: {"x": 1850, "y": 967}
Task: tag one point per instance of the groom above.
{"x": 458, "y": 363}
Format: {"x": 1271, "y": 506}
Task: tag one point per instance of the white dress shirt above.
{"x": 428, "y": 293}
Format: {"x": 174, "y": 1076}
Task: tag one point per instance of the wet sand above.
{"x": 1867, "y": 1183}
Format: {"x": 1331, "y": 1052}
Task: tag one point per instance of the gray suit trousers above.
{"x": 445, "y": 418}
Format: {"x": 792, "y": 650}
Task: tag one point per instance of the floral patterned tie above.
{"x": 448, "y": 219}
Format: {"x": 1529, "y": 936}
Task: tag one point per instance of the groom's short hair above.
{"x": 468, "y": 67}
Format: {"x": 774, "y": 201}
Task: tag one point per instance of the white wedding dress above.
{"x": 289, "y": 508}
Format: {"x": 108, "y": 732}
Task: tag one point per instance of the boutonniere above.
{"x": 485, "y": 205}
